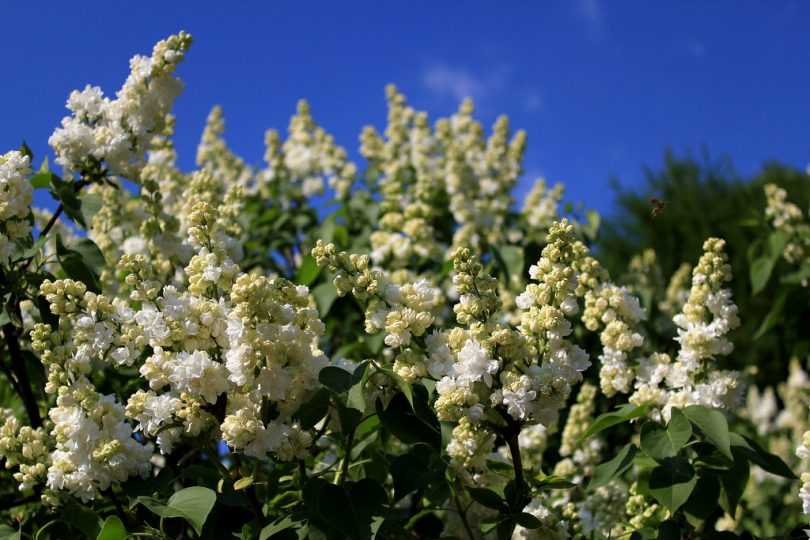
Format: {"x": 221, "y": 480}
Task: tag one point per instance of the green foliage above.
{"x": 705, "y": 198}
{"x": 688, "y": 465}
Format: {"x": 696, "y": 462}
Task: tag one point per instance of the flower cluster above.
{"x": 540, "y": 207}
{"x": 429, "y": 176}
{"x": 618, "y": 314}
{"x": 117, "y": 132}
{"x": 296, "y": 168}
{"x": 788, "y": 218}
{"x": 707, "y": 317}
{"x": 25, "y": 448}
{"x": 402, "y": 312}
{"x": 15, "y": 202}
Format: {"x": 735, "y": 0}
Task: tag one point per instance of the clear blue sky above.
{"x": 601, "y": 87}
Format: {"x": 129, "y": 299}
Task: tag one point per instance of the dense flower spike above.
{"x": 707, "y": 317}
{"x": 117, "y": 132}
{"x": 788, "y": 218}
{"x": 15, "y": 202}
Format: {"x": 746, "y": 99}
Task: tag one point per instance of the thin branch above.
{"x": 12, "y": 337}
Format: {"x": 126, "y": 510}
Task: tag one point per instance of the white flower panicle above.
{"x": 403, "y": 312}
{"x": 15, "y": 202}
{"x": 788, "y": 219}
{"x": 296, "y": 168}
{"x": 93, "y": 444}
{"x": 540, "y": 207}
{"x": 272, "y": 359}
{"x": 214, "y": 155}
{"x": 117, "y": 132}
{"x": 26, "y": 449}
{"x": 617, "y": 313}
{"x": 677, "y": 290}
{"x": 707, "y": 317}
{"x": 546, "y": 307}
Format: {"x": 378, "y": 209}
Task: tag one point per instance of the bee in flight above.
{"x": 657, "y": 207}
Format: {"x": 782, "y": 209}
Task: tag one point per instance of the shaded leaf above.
{"x": 659, "y": 442}
{"x": 604, "y": 472}
{"x": 672, "y": 482}
{"x": 336, "y": 379}
{"x": 487, "y": 497}
{"x": 714, "y": 426}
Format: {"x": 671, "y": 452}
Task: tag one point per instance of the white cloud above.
{"x": 456, "y": 83}
{"x": 533, "y": 102}
{"x": 449, "y": 82}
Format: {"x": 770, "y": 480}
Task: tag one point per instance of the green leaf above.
{"x": 336, "y": 379}
{"x": 756, "y": 454}
{"x": 411, "y": 424}
{"x": 75, "y": 266}
{"x": 41, "y": 180}
{"x": 112, "y": 529}
{"x": 91, "y": 203}
{"x": 512, "y": 257}
{"x": 37, "y": 245}
{"x": 375, "y": 342}
{"x": 591, "y": 229}
{"x": 330, "y": 508}
{"x": 774, "y": 315}
{"x": 403, "y": 386}
{"x": 325, "y": 295}
{"x": 714, "y": 426}
{"x": 490, "y": 523}
{"x": 82, "y": 519}
{"x": 659, "y": 442}
{"x": 368, "y": 499}
{"x": 672, "y": 482}
{"x": 487, "y": 497}
{"x": 777, "y": 241}
{"x": 702, "y": 503}
{"x": 357, "y": 397}
{"x": 760, "y": 271}
{"x": 90, "y": 253}
{"x": 308, "y": 271}
{"x": 349, "y": 418}
{"x": 8, "y": 533}
{"x": 553, "y": 482}
{"x": 604, "y": 472}
{"x": 192, "y": 504}
{"x": 524, "y": 519}
{"x": 341, "y": 236}
{"x": 669, "y": 530}
{"x": 799, "y": 276}
{"x": 277, "y": 527}
{"x": 65, "y": 192}
{"x": 733, "y": 482}
{"x": 416, "y": 469}
{"x": 243, "y": 483}
{"x": 311, "y": 412}
{"x": 624, "y": 413}
{"x": 26, "y": 151}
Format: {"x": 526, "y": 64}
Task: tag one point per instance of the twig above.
{"x": 463, "y": 515}
{"x": 12, "y": 337}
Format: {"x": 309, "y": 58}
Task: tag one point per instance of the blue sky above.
{"x": 601, "y": 87}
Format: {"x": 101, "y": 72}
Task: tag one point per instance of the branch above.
{"x": 12, "y": 337}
